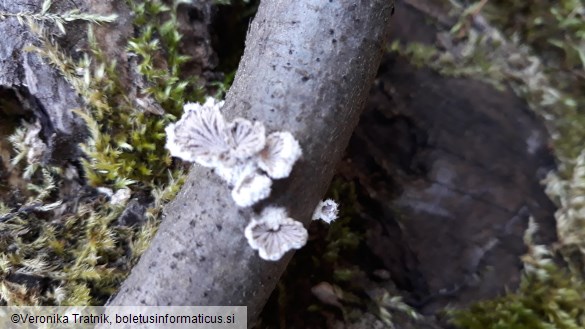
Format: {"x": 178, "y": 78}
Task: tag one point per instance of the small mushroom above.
{"x": 274, "y": 233}
{"x": 239, "y": 152}
{"x": 279, "y": 155}
{"x": 232, "y": 174}
{"x": 249, "y": 138}
{"x": 251, "y": 188}
{"x": 326, "y": 210}
{"x": 200, "y": 135}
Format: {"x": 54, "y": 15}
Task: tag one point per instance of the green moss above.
{"x": 477, "y": 62}
{"x": 557, "y": 33}
{"x": 135, "y": 152}
{"x": 127, "y": 135}
{"x": 58, "y": 19}
{"x": 542, "y": 61}
{"x": 158, "y": 47}
{"x": 552, "y": 300}
{"x": 76, "y": 248}
{"x": 549, "y": 297}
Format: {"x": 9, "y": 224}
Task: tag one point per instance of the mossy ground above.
{"x": 80, "y": 257}
{"x": 63, "y": 241}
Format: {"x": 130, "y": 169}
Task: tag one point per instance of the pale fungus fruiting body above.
{"x": 274, "y": 233}
{"x": 251, "y": 189}
{"x": 280, "y": 154}
{"x": 232, "y": 174}
{"x": 241, "y": 154}
{"x": 200, "y": 135}
{"x": 249, "y": 138}
{"x": 326, "y": 211}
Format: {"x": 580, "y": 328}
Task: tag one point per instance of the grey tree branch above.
{"x": 307, "y": 69}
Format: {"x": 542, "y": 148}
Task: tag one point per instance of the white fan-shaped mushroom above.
{"x": 200, "y": 135}
{"x": 274, "y": 233}
{"x": 233, "y": 174}
{"x": 251, "y": 188}
{"x": 326, "y": 210}
{"x": 249, "y": 138}
{"x": 279, "y": 155}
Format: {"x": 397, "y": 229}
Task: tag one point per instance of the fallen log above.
{"x": 306, "y": 69}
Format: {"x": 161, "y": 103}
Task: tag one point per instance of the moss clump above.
{"x": 557, "y": 33}
{"x": 127, "y": 135}
{"x": 552, "y": 299}
{"x": 157, "y": 45}
{"x": 549, "y": 297}
{"x": 62, "y": 242}
{"x": 52, "y": 254}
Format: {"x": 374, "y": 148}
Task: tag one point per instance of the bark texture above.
{"x": 39, "y": 89}
{"x": 307, "y": 69}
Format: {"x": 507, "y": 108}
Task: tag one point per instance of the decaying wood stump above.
{"x": 450, "y": 169}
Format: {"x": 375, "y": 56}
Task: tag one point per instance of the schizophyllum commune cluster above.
{"x": 248, "y": 160}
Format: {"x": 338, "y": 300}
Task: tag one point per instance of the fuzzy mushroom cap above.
{"x": 239, "y": 152}
{"x": 249, "y": 138}
{"x": 274, "y": 233}
{"x": 279, "y": 155}
{"x": 326, "y": 210}
{"x": 233, "y": 174}
{"x": 251, "y": 188}
{"x": 200, "y": 135}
